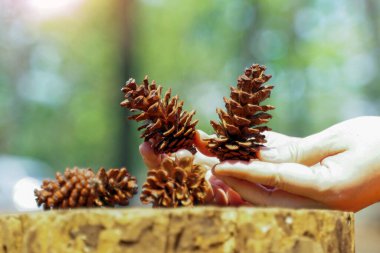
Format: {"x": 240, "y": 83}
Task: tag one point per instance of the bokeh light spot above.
{"x": 23, "y": 194}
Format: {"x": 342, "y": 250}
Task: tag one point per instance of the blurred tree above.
{"x": 371, "y": 11}
{"x": 60, "y": 83}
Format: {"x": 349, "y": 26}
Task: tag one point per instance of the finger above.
{"x": 200, "y": 158}
{"x": 234, "y": 198}
{"x": 290, "y": 177}
{"x": 307, "y": 151}
{"x": 258, "y": 195}
{"x": 223, "y": 194}
{"x": 150, "y": 158}
{"x": 184, "y": 154}
{"x": 201, "y": 144}
{"x": 217, "y": 182}
{"x": 219, "y": 191}
{"x": 209, "y": 175}
{"x": 220, "y": 197}
{"x": 275, "y": 139}
{"x": 209, "y": 198}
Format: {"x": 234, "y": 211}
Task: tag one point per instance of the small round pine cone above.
{"x": 178, "y": 182}
{"x": 239, "y": 133}
{"x": 167, "y": 127}
{"x": 83, "y": 188}
{"x": 118, "y": 186}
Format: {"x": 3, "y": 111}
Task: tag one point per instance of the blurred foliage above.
{"x": 60, "y": 77}
{"x": 200, "y": 48}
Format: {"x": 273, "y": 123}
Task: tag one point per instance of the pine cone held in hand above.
{"x": 178, "y": 182}
{"x": 239, "y": 133}
{"x": 83, "y": 188}
{"x": 166, "y": 126}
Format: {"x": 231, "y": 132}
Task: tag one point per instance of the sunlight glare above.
{"x": 48, "y": 8}
{"x": 23, "y": 194}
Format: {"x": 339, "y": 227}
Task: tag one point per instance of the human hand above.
{"x": 224, "y": 192}
{"x": 337, "y": 168}
{"x": 221, "y": 194}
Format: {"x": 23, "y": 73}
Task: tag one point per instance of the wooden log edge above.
{"x": 200, "y": 229}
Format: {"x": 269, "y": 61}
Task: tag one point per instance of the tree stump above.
{"x": 200, "y": 229}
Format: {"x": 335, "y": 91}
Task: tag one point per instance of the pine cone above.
{"x": 239, "y": 134}
{"x": 82, "y": 188}
{"x": 166, "y": 126}
{"x": 178, "y": 182}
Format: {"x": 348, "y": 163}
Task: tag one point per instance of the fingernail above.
{"x": 221, "y": 197}
{"x": 268, "y": 153}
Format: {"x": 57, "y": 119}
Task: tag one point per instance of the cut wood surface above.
{"x": 201, "y": 229}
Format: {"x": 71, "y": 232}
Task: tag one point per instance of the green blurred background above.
{"x": 62, "y": 64}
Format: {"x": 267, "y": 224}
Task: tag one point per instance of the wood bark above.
{"x": 202, "y": 229}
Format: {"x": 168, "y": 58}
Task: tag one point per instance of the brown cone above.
{"x": 178, "y": 182}
{"x": 82, "y": 188}
{"x": 239, "y": 133}
{"x": 166, "y": 126}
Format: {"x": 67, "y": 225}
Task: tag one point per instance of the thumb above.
{"x": 150, "y": 158}
{"x": 201, "y": 142}
{"x": 307, "y": 151}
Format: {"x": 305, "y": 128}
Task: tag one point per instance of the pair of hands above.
{"x": 337, "y": 168}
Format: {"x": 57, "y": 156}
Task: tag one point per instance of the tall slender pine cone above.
{"x": 178, "y": 182}
{"x": 167, "y": 127}
{"x": 83, "y": 188}
{"x": 239, "y": 133}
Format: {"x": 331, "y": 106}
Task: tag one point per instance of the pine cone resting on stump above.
{"x": 239, "y": 134}
{"x": 82, "y": 188}
{"x": 166, "y": 126}
{"x": 178, "y": 182}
